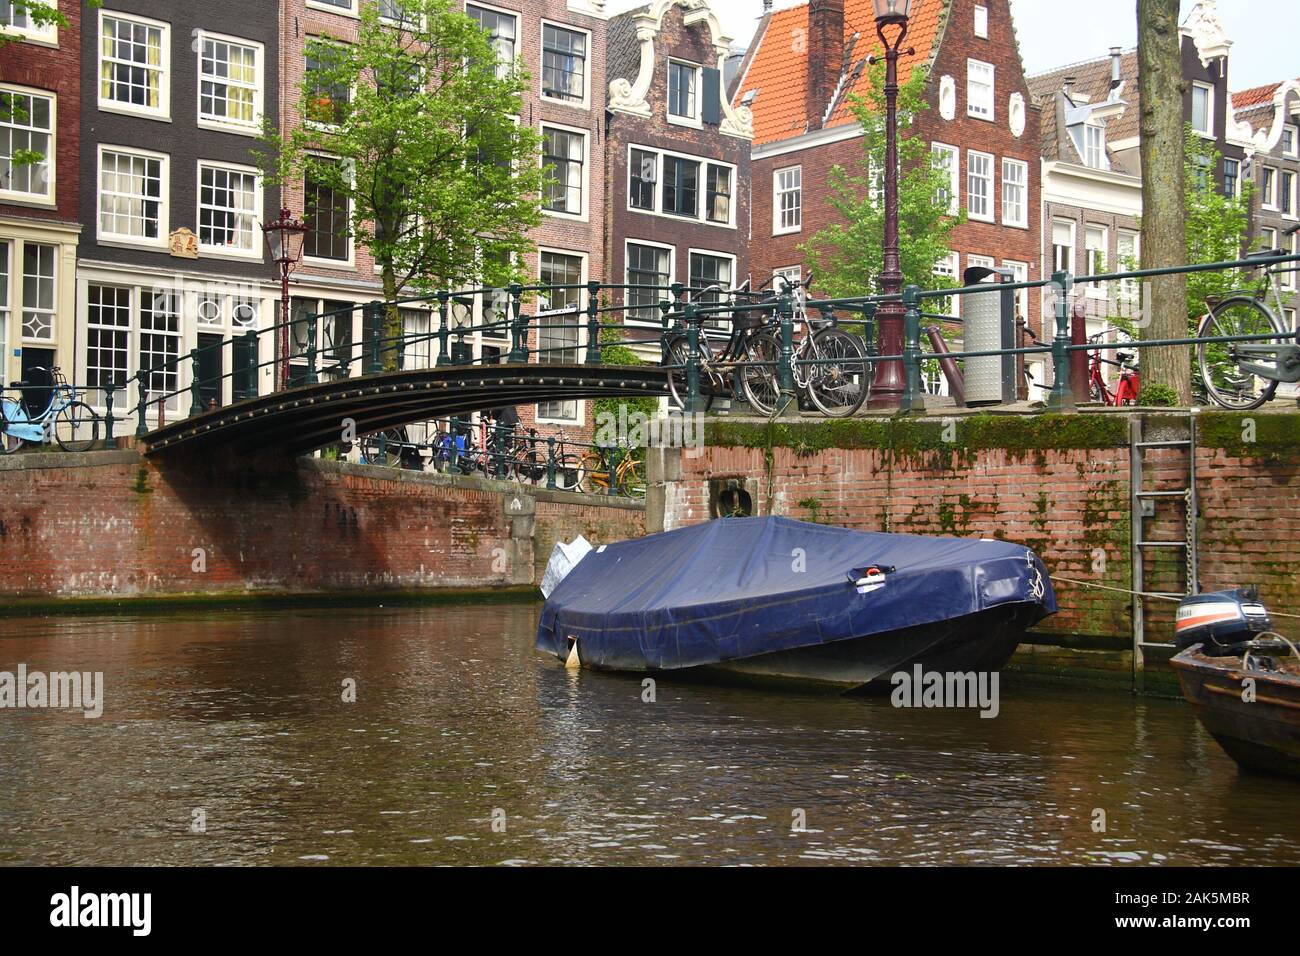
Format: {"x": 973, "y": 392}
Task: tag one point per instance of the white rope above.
{"x": 1145, "y": 594}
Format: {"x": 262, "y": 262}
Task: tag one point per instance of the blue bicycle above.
{"x": 65, "y": 419}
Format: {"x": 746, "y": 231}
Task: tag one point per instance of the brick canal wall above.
{"x": 1058, "y": 484}
{"x": 109, "y": 524}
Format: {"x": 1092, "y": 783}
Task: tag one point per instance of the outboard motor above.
{"x": 1222, "y": 622}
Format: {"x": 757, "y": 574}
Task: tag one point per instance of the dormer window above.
{"x": 683, "y": 92}
{"x": 1094, "y": 146}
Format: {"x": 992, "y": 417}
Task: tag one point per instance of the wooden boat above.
{"x": 1257, "y": 723}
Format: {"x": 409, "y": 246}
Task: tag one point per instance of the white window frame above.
{"x": 974, "y": 110}
{"x": 786, "y": 273}
{"x": 502, "y": 11}
{"x": 223, "y": 251}
{"x": 583, "y": 215}
{"x": 1268, "y": 186}
{"x": 1073, "y": 246}
{"x": 52, "y": 313}
{"x": 38, "y": 199}
{"x": 981, "y": 24}
{"x": 1208, "y": 132}
{"x": 350, "y": 261}
{"x": 951, "y": 267}
{"x": 1096, "y": 290}
{"x": 1287, "y": 280}
{"x": 585, "y": 102}
{"x": 715, "y": 253}
{"x": 954, "y": 173}
{"x": 672, "y": 269}
{"x": 164, "y": 198}
{"x": 989, "y": 197}
{"x": 696, "y": 120}
{"x": 1264, "y": 232}
{"x": 580, "y": 405}
{"x": 777, "y": 228}
{"x": 1091, "y": 131}
{"x": 47, "y": 35}
{"x": 349, "y": 11}
{"x": 702, "y": 188}
{"x": 1284, "y": 193}
{"x": 1236, "y": 180}
{"x": 1130, "y": 290}
{"x": 1021, "y": 221}
{"x": 1019, "y": 273}
{"x": 399, "y": 22}
{"x": 163, "y": 110}
{"x": 1294, "y": 130}
{"x": 253, "y": 128}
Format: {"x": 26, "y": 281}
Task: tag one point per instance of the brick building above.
{"x": 172, "y": 255}
{"x": 802, "y": 66}
{"x": 677, "y": 161}
{"x": 40, "y": 110}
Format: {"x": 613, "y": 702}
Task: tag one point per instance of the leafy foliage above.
{"x": 1216, "y": 224}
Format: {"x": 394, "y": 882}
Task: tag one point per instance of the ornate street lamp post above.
{"x": 284, "y": 241}
{"x": 887, "y": 390}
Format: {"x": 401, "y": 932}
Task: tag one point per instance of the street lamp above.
{"x": 284, "y": 239}
{"x": 887, "y": 390}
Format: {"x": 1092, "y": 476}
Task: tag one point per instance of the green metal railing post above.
{"x": 665, "y": 306}
{"x": 593, "y": 322}
{"x": 452, "y": 424}
{"x": 614, "y": 456}
{"x": 311, "y": 347}
{"x": 678, "y": 291}
{"x": 251, "y": 335}
{"x": 913, "y": 398}
{"x": 693, "y": 402}
{"x": 1061, "y": 398}
{"x": 196, "y": 403}
{"x": 109, "y": 440}
{"x": 373, "y": 362}
{"x": 550, "y": 462}
{"x": 444, "y": 344}
{"x": 788, "y": 400}
{"x": 141, "y": 428}
{"x": 518, "y": 325}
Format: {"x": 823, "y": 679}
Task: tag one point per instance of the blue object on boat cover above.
{"x": 737, "y": 587}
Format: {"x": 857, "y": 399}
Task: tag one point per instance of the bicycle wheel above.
{"x": 76, "y": 427}
{"x": 678, "y": 355}
{"x": 631, "y": 477}
{"x": 759, "y": 382}
{"x": 593, "y": 478}
{"x": 387, "y": 452}
{"x": 1220, "y": 371}
{"x": 838, "y": 388}
{"x": 9, "y": 412}
{"x": 568, "y": 472}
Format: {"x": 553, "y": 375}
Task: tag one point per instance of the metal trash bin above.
{"x": 989, "y": 323}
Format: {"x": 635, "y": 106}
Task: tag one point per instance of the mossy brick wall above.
{"x": 111, "y": 525}
{"x": 1056, "y": 483}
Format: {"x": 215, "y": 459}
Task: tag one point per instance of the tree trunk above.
{"x": 392, "y": 332}
{"x": 1164, "y": 237}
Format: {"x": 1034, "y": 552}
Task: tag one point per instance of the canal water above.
{"x": 225, "y": 739}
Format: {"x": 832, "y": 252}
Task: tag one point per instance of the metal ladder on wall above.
{"x": 1143, "y": 514}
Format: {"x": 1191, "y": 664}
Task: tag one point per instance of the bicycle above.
{"x": 716, "y": 368}
{"x": 65, "y": 419}
{"x": 830, "y": 365}
{"x": 1129, "y": 384}
{"x": 1244, "y": 375}
{"x": 629, "y": 472}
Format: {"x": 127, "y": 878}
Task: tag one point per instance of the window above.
{"x": 683, "y": 91}
{"x": 1290, "y": 142}
{"x": 230, "y": 82}
{"x": 228, "y": 209}
{"x": 787, "y": 200}
{"x": 26, "y": 124}
{"x": 1015, "y": 182}
{"x": 946, "y": 268}
{"x": 1231, "y": 177}
{"x": 1288, "y": 316}
{"x": 564, "y": 153}
{"x": 1019, "y": 273}
{"x": 979, "y": 89}
{"x": 717, "y": 194}
{"x": 133, "y": 65}
{"x": 396, "y": 13}
{"x": 557, "y": 336}
{"x": 160, "y": 340}
{"x": 347, "y": 6}
{"x": 132, "y": 199}
{"x": 979, "y": 185}
{"x": 502, "y": 31}
{"x": 1203, "y": 108}
{"x": 709, "y": 269}
{"x": 4, "y": 297}
{"x": 328, "y": 95}
{"x": 649, "y": 273}
{"x": 326, "y": 217}
{"x": 1288, "y": 278}
{"x": 1094, "y": 248}
{"x": 417, "y": 351}
{"x": 1287, "y": 198}
{"x": 643, "y": 173}
{"x": 38, "y": 290}
{"x": 564, "y": 63}
{"x": 1128, "y": 251}
{"x": 781, "y": 278}
{"x": 19, "y": 22}
{"x": 1062, "y": 245}
{"x": 982, "y": 22}
{"x": 948, "y": 159}
{"x": 681, "y": 187}
{"x": 1268, "y": 188}
{"x": 1268, "y": 238}
{"x": 1094, "y": 147}
{"x": 108, "y": 335}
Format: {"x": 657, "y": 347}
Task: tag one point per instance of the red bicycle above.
{"x": 1126, "y": 389}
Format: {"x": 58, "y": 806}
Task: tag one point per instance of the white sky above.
{"x": 1053, "y": 33}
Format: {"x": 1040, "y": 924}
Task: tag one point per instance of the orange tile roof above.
{"x": 779, "y": 68}
{"x": 1255, "y": 96}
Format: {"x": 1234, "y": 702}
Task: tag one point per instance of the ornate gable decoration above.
{"x": 1206, "y": 30}
{"x": 629, "y": 96}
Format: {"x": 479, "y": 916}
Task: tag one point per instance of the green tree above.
{"x": 847, "y": 256}
{"x": 417, "y": 126}
{"x": 1216, "y": 224}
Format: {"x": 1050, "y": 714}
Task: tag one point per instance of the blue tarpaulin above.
{"x": 738, "y": 587}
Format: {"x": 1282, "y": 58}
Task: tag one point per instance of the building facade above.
{"x": 172, "y": 255}
{"x": 677, "y": 163}
{"x": 40, "y": 112}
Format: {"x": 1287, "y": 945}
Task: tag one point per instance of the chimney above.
{"x": 1114, "y": 67}
{"x": 825, "y": 56}
{"x": 1067, "y": 86}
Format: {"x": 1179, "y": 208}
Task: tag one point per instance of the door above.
{"x": 35, "y": 372}
{"x": 210, "y": 370}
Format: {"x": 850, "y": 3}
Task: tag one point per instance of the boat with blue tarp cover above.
{"x": 775, "y": 598}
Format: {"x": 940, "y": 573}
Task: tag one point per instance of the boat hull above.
{"x": 1261, "y": 736}
{"x": 981, "y": 642}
